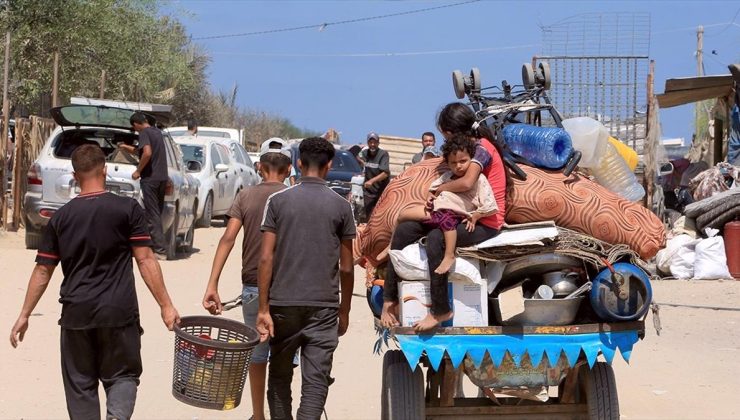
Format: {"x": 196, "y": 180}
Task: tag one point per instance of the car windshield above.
{"x": 343, "y": 161}
{"x": 192, "y": 152}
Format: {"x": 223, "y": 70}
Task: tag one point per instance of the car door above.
{"x": 219, "y": 185}
{"x": 230, "y": 176}
{"x": 252, "y": 177}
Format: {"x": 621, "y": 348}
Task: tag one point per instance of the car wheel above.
{"x": 205, "y": 221}
{"x": 172, "y": 237}
{"x": 187, "y": 245}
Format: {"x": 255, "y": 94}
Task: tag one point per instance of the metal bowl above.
{"x": 541, "y": 311}
{"x": 561, "y": 283}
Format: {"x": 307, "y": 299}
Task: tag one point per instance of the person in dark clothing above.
{"x": 152, "y": 170}
{"x": 299, "y": 304}
{"x": 94, "y": 237}
{"x": 192, "y": 128}
{"x": 377, "y": 172}
{"x": 427, "y": 141}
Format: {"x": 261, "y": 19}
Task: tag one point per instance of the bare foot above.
{"x": 431, "y": 321}
{"x": 445, "y": 265}
{"x": 389, "y": 315}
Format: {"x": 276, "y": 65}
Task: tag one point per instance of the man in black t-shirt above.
{"x": 377, "y": 172}
{"x": 152, "y": 171}
{"x": 94, "y": 237}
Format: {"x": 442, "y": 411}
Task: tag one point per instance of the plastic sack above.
{"x": 665, "y": 256}
{"x": 410, "y": 263}
{"x": 711, "y": 260}
{"x": 465, "y": 269}
{"x": 545, "y": 147}
{"x": 682, "y": 262}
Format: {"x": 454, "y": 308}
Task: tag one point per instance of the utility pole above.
{"x": 55, "y": 82}
{"x": 699, "y": 72}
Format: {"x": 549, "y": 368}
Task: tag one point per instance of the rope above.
{"x": 714, "y": 308}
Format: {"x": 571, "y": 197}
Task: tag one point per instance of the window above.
{"x": 192, "y": 152}
{"x": 224, "y": 155}
{"x": 215, "y": 157}
{"x": 236, "y": 153}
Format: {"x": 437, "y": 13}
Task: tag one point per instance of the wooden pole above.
{"x": 20, "y": 151}
{"x": 55, "y": 82}
{"x": 650, "y": 139}
{"x": 699, "y": 72}
{"x": 102, "y": 85}
{"x": 4, "y": 135}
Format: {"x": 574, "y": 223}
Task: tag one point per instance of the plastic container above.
{"x": 614, "y": 174}
{"x": 628, "y": 154}
{"x": 606, "y": 300}
{"x": 589, "y": 137}
{"x": 731, "y": 237}
{"x": 545, "y": 147}
{"x": 211, "y": 361}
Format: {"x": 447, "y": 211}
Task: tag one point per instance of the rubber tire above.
{"x": 172, "y": 237}
{"x": 189, "y": 240}
{"x": 528, "y": 79}
{"x": 458, "y": 84}
{"x": 475, "y": 79}
{"x": 402, "y": 393}
{"x": 600, "y": 389}
{"x": 33, "y": 239}
{"x": 205, "y": 220}
{"x": 544, "y": 70}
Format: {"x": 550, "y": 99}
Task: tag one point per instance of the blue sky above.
{"x": 335, "y": 77}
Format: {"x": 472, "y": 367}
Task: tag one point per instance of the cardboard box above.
{"x": 468, "y": 300}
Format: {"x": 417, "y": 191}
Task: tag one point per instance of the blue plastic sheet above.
{"x": 536, "y": 345}
{"x": 733, "y": 144}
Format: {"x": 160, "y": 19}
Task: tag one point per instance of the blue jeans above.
{"x": 250, "y": 305}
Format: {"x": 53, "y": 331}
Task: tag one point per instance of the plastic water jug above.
{"x": 545, "y": 147}
{"x": 628, "y": 154}
{"x": 622, "y": 295}
{"x": 613, "y": 174}
{"x": 589, "y": 137}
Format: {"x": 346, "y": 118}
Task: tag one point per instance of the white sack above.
{"x": 665, "y": 256}
{"x": 411, "y": 262}
{"x": 682, "y": 262}
{"x": 711, "y": 260}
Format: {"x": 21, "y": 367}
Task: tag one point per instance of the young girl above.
{"x": 450, "y": 209}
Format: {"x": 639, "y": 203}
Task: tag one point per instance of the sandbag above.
{"x": 665, "y": 256}
{"x": 711, "y": 261}
{"x": 682, "y": 262}
{"x": 577, "y": 203}
{"x": 411, "y": 262}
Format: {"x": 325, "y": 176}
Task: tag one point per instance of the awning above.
{"x": 686, "y": 90}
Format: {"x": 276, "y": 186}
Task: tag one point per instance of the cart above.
{"x": 512, "y": 366}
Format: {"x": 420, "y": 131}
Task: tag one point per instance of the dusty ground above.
{"x": 689, "y": 371}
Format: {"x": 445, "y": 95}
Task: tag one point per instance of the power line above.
{"x": 322, "y": 26}
{"x": 368, "y": 55}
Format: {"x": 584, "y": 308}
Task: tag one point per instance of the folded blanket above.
{"x": 698, "y": 208}
{"x": 724, "y": 213}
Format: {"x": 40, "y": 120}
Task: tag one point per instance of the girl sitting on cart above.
{"x": 449, "y": 209}
{"x": 455, "y": 119}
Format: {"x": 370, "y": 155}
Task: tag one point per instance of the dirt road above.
{"x": 689, "y": 371}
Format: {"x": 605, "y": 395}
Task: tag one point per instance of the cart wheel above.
{"x": 600, "y": 390}
{"x": 458, "y": 83}
{"x": 528, "y": 79}
{"x": 475, "y": 79}
{"x": 402, "y": 393}
{"x": 544, "y": 71}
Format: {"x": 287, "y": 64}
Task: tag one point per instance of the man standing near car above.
{"x": 427, "y": 140}
{"x": 152, "y": 172}
{"x": 377, "y": 172}
{"x": 94, "y": 236}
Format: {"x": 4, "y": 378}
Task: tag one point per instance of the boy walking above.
{"x": 94, "y": 237}
{"x": 308, "y": 231}
{"x": 246, "y": 212}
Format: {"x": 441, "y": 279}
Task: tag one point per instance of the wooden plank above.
{"x": 483, "y": 406}
{"x": 570, "y": 386}
{"x": 447, "y": 391}
{"x": 687, "y": 96}
{"x": 509, "y": 330}
{"x": 683, "y": 83}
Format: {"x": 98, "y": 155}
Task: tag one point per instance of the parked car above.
{"x": 223, "y": 168}
{"x": 226, "y": 133}
{"x": 51, "y": 184}
{"x": 345, "y": 170}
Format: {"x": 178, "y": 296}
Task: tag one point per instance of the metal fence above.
{"x": 599, "y": 64}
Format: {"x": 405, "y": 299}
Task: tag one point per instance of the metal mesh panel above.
{"x": 599, "y": 65}
{"x": 211, "y": 375}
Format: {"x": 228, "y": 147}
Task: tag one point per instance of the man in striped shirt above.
{"x": 94, "y": 236}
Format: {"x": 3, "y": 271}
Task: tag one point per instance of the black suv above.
{"x": 343, "y": 168}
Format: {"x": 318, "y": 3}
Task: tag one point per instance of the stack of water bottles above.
{"x": 600, "y": 156}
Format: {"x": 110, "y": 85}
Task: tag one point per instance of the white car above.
{"x": 226, "y": 133}
{"x": 223, "y": 168}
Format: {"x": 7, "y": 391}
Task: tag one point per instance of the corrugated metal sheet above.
{"x": 400, "y": 150}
